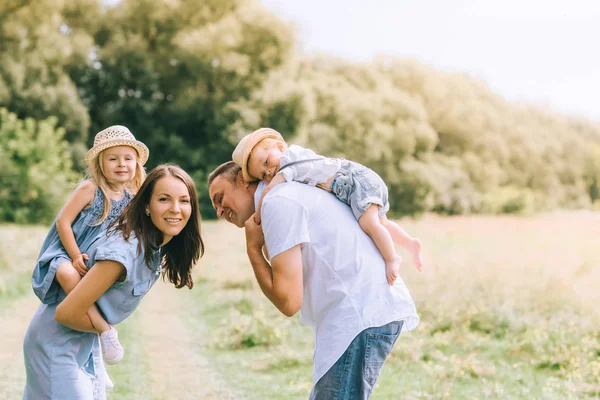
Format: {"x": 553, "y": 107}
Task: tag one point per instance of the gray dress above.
{"x": 53, "y": 252}
{"x": 62, "y": 363}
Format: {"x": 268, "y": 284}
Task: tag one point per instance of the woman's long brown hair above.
{"x": 183, "y": 250}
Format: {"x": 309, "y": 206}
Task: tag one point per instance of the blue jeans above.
{"x": 353, "y": 376}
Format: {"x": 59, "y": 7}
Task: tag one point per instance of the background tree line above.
{"x": 189, "y": 78}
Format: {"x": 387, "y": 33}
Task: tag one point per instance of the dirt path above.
{"x": 15, "y": 319}
{"x": 178, "y": 369}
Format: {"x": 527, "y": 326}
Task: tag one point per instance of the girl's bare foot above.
{"x": 391, "y": 269}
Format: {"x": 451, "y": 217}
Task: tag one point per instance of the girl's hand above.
{"x": 79, "y": 264}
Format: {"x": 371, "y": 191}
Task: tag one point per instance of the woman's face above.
{"x": 170, "y": 207}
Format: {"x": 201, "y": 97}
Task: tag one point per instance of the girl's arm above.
{"x": 81, "y": 197}
{"x": 279, "y": 178}
{"x": 72, "y": 312}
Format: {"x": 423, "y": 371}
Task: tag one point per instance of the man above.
{"x": 323, "y": 264}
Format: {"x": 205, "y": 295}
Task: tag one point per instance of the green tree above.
{"x": 37, "y": 42}
{"x": 36, "y": 169}
{"x": 173, "y": 73}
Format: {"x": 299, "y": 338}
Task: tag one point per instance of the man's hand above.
{"x": 255, "y": 238}
{"x": 257, "y": 213}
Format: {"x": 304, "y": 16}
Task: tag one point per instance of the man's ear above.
{"x": 240, "y": 180}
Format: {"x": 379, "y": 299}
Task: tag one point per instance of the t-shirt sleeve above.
{"x": 119, "y": 250}
{"x": 284, "y": 223}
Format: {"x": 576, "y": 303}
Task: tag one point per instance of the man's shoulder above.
{"x": 291, "y": 190}
{"x": 310, "y": 197}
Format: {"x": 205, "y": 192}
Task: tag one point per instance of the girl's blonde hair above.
{"x": 268, "y": 143}
{"x": 95, "y": 173}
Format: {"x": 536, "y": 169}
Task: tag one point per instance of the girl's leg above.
{"x": 404, "y": 240}
{"x": 112, "y": 351}
{"x": 372, "y": 226}
{"x": 68, "y": 278}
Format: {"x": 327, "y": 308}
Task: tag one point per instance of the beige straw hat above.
{"x": 116, "y": 135}
{"x": 244, "y": 148}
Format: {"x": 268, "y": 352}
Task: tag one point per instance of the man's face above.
{"x": 235, "y": 203}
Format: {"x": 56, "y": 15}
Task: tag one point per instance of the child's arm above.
{"x": 279, "y": 178}
{"x": 305, "y": 166}
{"x": 81, "y": 197}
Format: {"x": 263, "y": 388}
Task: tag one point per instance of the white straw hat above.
{"x": 244, "y": 148}
{"x": 116, "y": 135}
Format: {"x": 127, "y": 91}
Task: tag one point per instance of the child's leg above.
{"x": 404, "y": 240}
{"x": 112, "y": 351}
{"x": 68, "y": 278}
{"x": 372, "y": 226}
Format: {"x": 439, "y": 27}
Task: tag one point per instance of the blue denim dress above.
{"x": 53, "y": 252}
{"x": 359, "y": 187}
{"x": 62, "y": 363}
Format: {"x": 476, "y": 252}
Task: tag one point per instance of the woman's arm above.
{"x": 72, "y": 312}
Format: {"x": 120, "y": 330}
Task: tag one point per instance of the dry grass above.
{"x": 508, "y": 310}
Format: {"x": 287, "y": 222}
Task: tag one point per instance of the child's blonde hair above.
{"x": 95, "y": 173}
{"x": 267, "y": 143}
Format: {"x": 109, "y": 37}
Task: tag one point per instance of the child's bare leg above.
{"x": 68, "y": 278}
{"x": 404, "y": 240}
{"x": 372, "y": 226}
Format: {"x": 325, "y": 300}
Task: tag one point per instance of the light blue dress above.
{"x": 62, "y": 363}
{"x": 53, "y": 253}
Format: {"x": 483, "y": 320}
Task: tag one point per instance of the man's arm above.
{"x": 281, "y": 281}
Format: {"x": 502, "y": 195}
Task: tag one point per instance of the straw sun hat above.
{"x": 244, "y": 148}
{"x": 116, "y": 135}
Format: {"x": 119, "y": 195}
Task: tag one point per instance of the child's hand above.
{"x": 79, "y": 264}
{"x": 257, "y": 217}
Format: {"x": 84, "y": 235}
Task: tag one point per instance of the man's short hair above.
{"x": 229, "y": 170}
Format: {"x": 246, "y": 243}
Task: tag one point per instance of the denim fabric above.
{"x": 64, "y": 364}
{"x": 53, "y": 253}
{"x": 360, "y": 187}
{"x": 353, "y": 376}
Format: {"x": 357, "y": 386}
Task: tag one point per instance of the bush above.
{"x": 35, "y": 167}
{"x": 508, "y": 200}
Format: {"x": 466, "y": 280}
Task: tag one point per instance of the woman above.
{"x": 159, "y": 231}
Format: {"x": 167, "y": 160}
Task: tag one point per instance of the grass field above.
{"x": 508, "y": 306}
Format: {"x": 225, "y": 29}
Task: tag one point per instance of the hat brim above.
{"x": 253, "y": 139}
{"x": 140, "y": 147}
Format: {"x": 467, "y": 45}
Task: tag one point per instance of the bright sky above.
{"x": 539, "y": 51}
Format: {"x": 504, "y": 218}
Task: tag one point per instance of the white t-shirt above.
{"x": 319, "y": 170}
{"x": 345, "y": 287}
